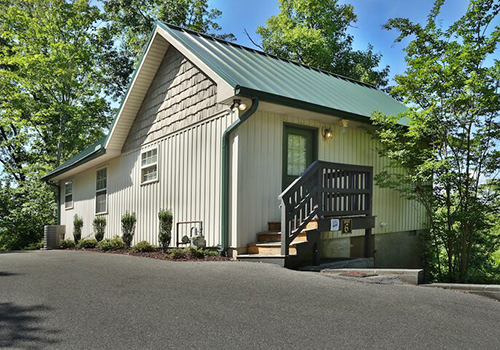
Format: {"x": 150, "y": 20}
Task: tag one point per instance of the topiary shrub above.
{"x": 165, "y": 232}
{"x": 87, "y": 243}
{"x": 128, "y": 228}
{"x": 115, "y": 243}
{"x": 99, "y": 225}
{"x": 66, "y": 243}
{"x": 77, "y": 228}
{"x": 144, "y": 247}
{"x": 190, "y": 253}
{"x": 179, "y": 253}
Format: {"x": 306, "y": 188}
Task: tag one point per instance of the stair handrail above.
{"x": 316, "y": 193}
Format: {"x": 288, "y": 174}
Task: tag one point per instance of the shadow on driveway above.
{"x": 20, "y": 328}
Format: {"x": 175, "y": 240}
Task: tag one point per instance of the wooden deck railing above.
{"x": 324, "y": 190}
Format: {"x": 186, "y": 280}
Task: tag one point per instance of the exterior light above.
{"x": 344, "y": 123}
{"x": 327, "y": 133}
{"x": 237, "y": 104}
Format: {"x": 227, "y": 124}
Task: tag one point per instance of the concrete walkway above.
{"x": 84, "y": 300}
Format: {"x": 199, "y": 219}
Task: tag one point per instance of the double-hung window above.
{"x": 68, "y": 194}
{"x": 101, "y": 191}
{"x": 149, "y": 165}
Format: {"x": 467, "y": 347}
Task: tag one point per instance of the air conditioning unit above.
{"x": 53, "y": 235}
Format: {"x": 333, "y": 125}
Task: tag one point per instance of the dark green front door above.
{"x": 299, "y": 151}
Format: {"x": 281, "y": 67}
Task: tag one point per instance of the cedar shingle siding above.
{"x": 180, "y": 95}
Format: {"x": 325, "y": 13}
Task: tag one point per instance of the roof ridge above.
{"x": 336, "y": 75}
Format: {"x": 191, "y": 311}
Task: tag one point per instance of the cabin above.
{"x": 266, "y": 158}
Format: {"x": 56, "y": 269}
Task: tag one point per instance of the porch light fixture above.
{"x": 344, "y": 123}
{"x": 239, "y": 105}
{"x": 327, "y": 133}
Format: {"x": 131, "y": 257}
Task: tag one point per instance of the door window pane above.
{"x": 297, "y": 154}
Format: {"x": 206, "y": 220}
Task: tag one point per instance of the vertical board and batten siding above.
{"x": 180, "y": 116}
{"x": 189, "y": 184}
{"x": 260, "y": 142}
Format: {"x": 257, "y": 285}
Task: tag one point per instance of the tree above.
{"x": 131, "y": 22}
{"x": 53, "y": 79}
{"x": 448, "y": 157}
{"x": 314, "y": 32}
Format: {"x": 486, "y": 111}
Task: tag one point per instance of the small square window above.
{"x": 149, "y": 165}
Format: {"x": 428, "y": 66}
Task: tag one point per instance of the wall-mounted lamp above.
{"x": 327, "y": 133}
{"x": 239, "y": 105}
{"x": 344, "y": 123}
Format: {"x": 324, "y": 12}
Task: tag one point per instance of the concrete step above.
{"x": 263, "y": 258}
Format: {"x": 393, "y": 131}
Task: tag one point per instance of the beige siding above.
{"x": 189, "y": 184}
{"x": 179, "y": 95}
{"x": 259, "y": 174}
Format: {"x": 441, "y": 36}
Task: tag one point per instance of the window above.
{"x": 68, "y": 194}
{"x": 101, "y": 193}
{"x": 149, "y": 165}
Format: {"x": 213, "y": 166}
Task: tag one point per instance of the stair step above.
{"x": 270, "y": 248}
{"x": 275, "y": 226}
{"x": 263, "y": 258}
{"x": 271, "y": 236}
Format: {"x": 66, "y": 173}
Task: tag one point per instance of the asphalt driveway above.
{"x": 86, "y": 300}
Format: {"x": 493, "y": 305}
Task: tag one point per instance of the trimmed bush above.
{"x": 128, "y": 228}
{"x": 190, "y": 252}
{"x": 77, "y": 228}
{"x": 87, "y": 243}
{"x": 99, "y": 225}
{"x": 115, "y": 243}
{"x": 144, "y": 247}
{"x": 165, "y": 232}
{"x": 66, "y": 243}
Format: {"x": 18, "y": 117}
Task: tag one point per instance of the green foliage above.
{"x": 128, "y": 228}
{"x": 448, "y": 157}
{"x": 107, "y": 244}
{"x": 87, "y": 243}
{"x": 99, "y": 225}
{"x": 36, "y": 245}
{"x": 315, "y": 32}
{"x": 77, "y": 228}
{"x": 165, "y": 230}
{"x": 191, "y": 253}
{"x": 131, "y": 22}
{"x": 66, "y": 243}
{"x": 144, "y": 247}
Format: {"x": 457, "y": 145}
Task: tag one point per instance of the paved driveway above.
{"x": 84, "y": 300}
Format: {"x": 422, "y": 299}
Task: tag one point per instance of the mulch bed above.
{"x": 153, "y": 255}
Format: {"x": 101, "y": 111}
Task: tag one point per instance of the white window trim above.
{"x": 150, "y": 165}
{"x": 102, "y": 189}
{"x": 72, "y": 195}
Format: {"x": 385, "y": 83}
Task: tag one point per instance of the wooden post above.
{"x": 368, "y": 243}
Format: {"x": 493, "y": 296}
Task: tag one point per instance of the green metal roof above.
{"x": 254, "y": 73}
{"x": 250, "y": 70}
{"x": 89, "y": 153}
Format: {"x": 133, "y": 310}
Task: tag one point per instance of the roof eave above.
{"x": 93, "y": 155}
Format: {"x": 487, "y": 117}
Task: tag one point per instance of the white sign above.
{"x": 334, "y": 225}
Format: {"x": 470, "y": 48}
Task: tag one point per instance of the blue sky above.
{"x": 238, "y": 15}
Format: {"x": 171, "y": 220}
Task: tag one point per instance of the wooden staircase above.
{"x": 268, "y": 245}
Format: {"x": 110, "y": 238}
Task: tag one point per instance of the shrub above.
{"x": 144, "y": 247}
{"x": 128, "y": 228}
{"x": 115, "y": 243}
{"x": 35, "y": 245}
{"x": 87, "y": 243}
{"x": 77, "y": 228}
{"x": 165, "y": 232}
{"x": 99, "y": 225}
{"x": 66, "y": 243}
{"x": 190, "y": 252}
